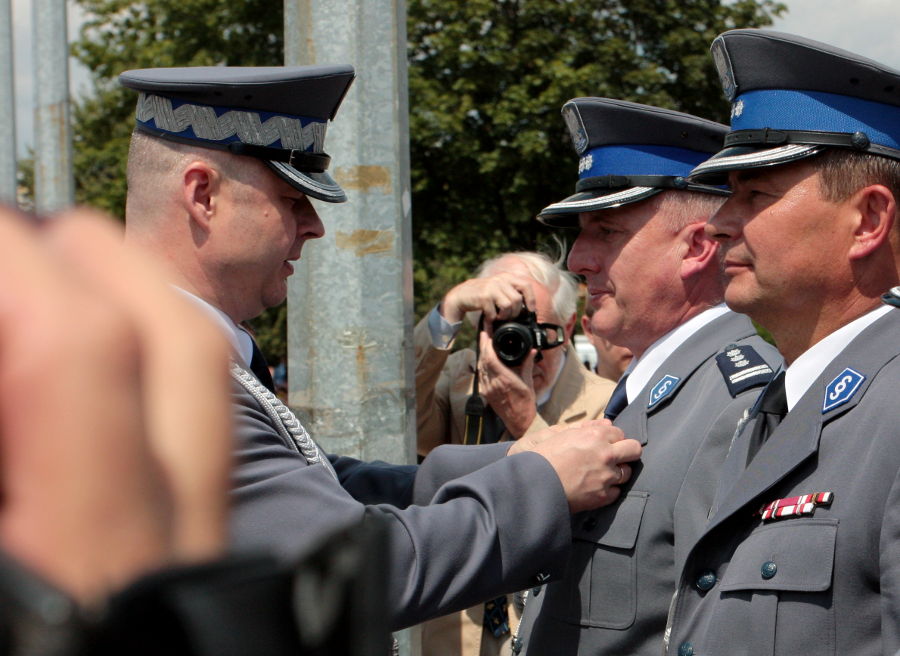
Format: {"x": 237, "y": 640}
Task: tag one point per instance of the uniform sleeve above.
{"x": 472, "y": 540}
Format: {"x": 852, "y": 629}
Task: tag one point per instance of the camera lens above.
{"x": 512, "y": 342}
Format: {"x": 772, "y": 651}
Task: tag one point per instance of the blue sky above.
{"x": 867, "y": 27}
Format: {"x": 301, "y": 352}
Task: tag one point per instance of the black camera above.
{"x": 514, "y": 339}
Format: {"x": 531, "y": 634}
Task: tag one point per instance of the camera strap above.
{"x": 475, "y": 404}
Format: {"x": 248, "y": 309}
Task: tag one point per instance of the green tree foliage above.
{"x": 487, "y": 79}
{"x": 120, "y": 35}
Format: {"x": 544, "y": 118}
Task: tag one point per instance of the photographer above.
{"x": 550, "y": 386}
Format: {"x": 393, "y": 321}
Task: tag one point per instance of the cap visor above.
{"x": 564, "y": 214}
{"x": 715, "y": 169}
{"x": 317, "y": 185}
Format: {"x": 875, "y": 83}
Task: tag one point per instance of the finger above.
{"x": 509, "y": 302}
{"x": 624, "y": 473}
{"x": 490, "y": 362}
{"x": 626, "y": 450}
{"x": 185, "y": 377}
{"x": 527, "y": 369}
{"x": 527, "y": 292}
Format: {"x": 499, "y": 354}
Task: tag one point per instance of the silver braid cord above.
{"x": 285, "y": 422}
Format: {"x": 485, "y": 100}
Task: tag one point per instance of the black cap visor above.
{"x": 735, "y": 158}
{"x": 317, "y": 185}
{"x": 564, "y": 214}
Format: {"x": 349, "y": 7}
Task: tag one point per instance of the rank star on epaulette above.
{"x": 743, "y": 368}
{"x": 803, "y": 504}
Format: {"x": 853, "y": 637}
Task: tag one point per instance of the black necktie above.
{"x": 771, "y": 409}
{"x": 617, "y": 401}
{"x": 260, "y": 368}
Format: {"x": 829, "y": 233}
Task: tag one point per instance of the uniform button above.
{"x": 705, "y": 581}
{"x": 768, "y": 569}
{"x": 686, "y": 649}
{"x": 516, "y": 645}
{"x": 590, "y": 523}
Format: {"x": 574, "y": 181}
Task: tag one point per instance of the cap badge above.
{"x": 576, "y": 127}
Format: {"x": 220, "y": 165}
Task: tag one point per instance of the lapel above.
{"x": 671, "y": 376}
{"x": 797, "y": 436}
{"x": 565, "y": 402}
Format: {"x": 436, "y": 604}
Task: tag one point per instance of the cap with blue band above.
{"x": 629, "y": 152}
{"x": 276, "y": 114}
{"x": 793, "y": 98}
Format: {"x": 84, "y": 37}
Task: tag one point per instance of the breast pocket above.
{"x": 598, "y": 589}
{"x": 778, "y": 587}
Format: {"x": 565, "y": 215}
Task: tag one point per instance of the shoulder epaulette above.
{"x": 743, "y": 368}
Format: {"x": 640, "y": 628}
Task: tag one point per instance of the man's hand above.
{"x": 99, "y": 480}
{"x": 509, "y": 391}
{"x": 590, "y": 460}
{"x": 497, "y": 297}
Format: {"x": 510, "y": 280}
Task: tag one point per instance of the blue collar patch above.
{"x": 841, "y": 389}
{"x": 662, "y": 389}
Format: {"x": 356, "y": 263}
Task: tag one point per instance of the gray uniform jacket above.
{"x": 624, "y": 567}
{"x": 456, "y": 536}
{"x": 826, "y": 580}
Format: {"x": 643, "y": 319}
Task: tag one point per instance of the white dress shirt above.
{"x": 241, "y": 342}
{"x": 804, "y": 370}
{"x": 641, "y": 371}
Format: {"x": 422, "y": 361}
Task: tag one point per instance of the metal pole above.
{"x": 8, "y": 183}
{"x": 53, "y": 179}
{"x": 350, "y": 302}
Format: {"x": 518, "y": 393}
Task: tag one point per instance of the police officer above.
{"x": 654, "y": 282}
{"x": 801, "y": 552}
{"x": 222, "y": 166}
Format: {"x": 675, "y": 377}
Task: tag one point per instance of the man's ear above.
{"x": 699, "y": 249}
{"x": 570, "y": 326}
{"x": 200, "y": 184}
{"x": 874, "y": 212}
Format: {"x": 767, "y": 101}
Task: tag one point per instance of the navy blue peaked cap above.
{"x": 629, "y": 152}
{"x": 792, "y": 98}
{"x": 275, "y": 113}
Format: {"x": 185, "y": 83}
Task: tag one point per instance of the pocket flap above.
{"x": 613, "y": 526}
{"x": 794, "y": 554}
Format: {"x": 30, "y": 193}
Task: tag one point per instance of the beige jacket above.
{"x": 443, "y": 384}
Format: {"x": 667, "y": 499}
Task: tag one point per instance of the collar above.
{"x": 639, "y": 372}
{"x": 241, "y": 342}
{"x": 804, "y": 371}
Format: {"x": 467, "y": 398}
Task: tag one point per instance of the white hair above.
{"x": 561, "y": 284}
